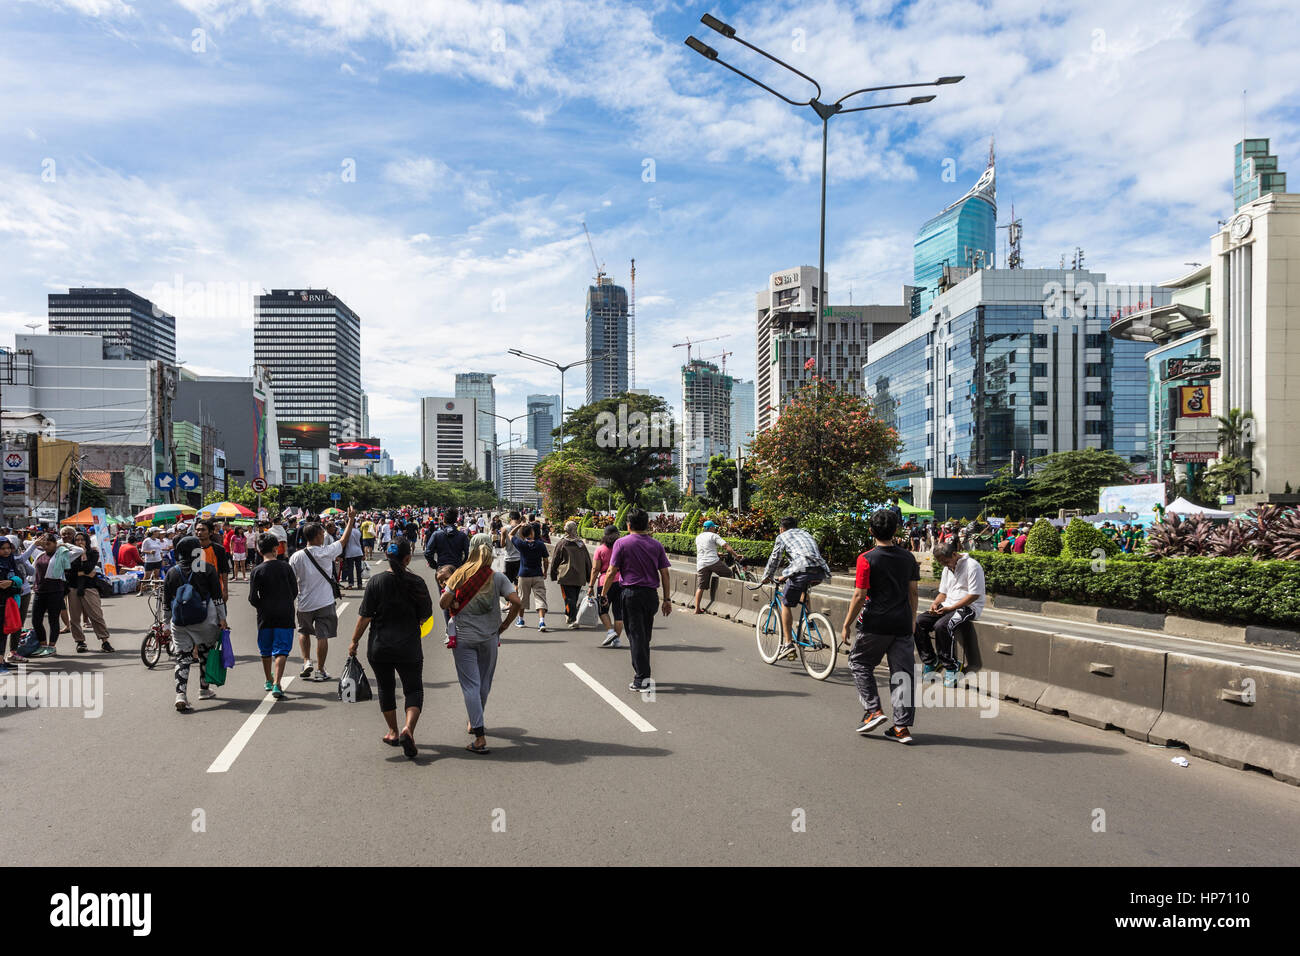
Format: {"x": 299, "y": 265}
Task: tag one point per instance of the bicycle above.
{"x": 814, "y": 639}
{"x": 738, "y": 569}
{"x": 158, "y": 639}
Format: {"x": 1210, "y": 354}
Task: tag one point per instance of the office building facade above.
{"x": 706, "y": 421}
{"x": 1014, "y": 364}
{"x": 309, "y": 343}
{"x": 1255, "y": 173}
{"x": 963, "y": 236}
{"x": 742, "y": 415}
{"x": 478, "y": 386}
{"x": 607, "y": 330}
{"x": 785, "y": 329}
{"x": 243, "y": 412}
{"x": 519, "y": 484}
{"x": 543, "y": 419}
{"x": 131, "y": 326}
{"x": 448, "y": 434}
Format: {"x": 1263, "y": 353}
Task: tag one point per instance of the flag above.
{"x": 810, "y": 364}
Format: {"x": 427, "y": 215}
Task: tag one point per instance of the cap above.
{"x": 710, "y": 524}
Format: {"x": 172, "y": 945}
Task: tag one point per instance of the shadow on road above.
{"x": 717, "y": 690}
{"x": 1011, "y": 742}
{"x": 521, "y": 747}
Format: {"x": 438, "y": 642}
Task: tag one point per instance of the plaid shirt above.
{"x": 801, "y": 548}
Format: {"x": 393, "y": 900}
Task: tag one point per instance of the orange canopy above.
{"x": 82, "y": 517}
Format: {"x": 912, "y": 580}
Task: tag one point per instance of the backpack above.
{"x": 189, "y": 606}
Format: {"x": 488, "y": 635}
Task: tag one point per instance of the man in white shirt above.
{"x": 960, "y": 599}
{"x": 707, "y": 560}
{"x": 313, "y": 566}
{"x": 385, "y": 534}
{"x": 151, "y": 550}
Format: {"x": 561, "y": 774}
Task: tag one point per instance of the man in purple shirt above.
{"x": 640, "y": 564}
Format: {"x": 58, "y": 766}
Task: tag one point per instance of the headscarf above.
{"x": 9, "y": 564}
{"x": 480, "y": 556}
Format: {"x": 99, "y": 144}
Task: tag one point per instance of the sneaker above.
{"x": 306, "y": 671}
{"x": 268, "y": 685}
{"x": 573, "y": 625}
{"x": 611, "y": 638}
{"x": 901, "y": 734}
{"x": 106, "y": 647}
{"x": 950, "y": 678}
{"x": 519, "y": 622}
{"x": 616, "y": 643}
{"x": 542, "y": 627}
{"x": 787, "y": 650}
{"x": 321, "y": 677}
{"x": 82, "y": 648}
{"x": 276, "y": 692}
{"x": 927, "y": 670}
{"x": 207, "y": 693}
{"x": 182, "y": 704}
{"x": 16, "y": 658}
{"x": 634, "y": 686}
{"x": 45, "y": 650}
{"x": 871, "y": 721}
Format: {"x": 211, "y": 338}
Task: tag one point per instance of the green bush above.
{"x": 1225, "y": 590}
{"x": 841, "y": 537}
{"x": 1081, "y": 539}
{"x": 751, "y": 551}
{"x": 1043, "y": 540}
{"x": 620, "y": 517}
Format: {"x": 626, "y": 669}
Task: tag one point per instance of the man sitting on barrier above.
{"x": 960, "y": 599}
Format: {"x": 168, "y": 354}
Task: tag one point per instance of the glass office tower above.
{"x": 962, "y": 236}
{"x": 607, "y": 335}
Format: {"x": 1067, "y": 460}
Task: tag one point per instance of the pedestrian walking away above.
{"x": 642, "y": 565}
{"x": 197, "y": 619}
{"x": 611, "y": 606}
{"x": 317, "y": 592}
{"x": 571, "y": 567}
{"x": 272, "y": 590}
{"x": 533, "y": 561}
{"x": 393, "y": 608}
{"x": 882, "y": 611}
{"x": 473, "y": 596}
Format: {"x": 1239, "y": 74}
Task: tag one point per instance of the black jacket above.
{"x": 447, "y": 545}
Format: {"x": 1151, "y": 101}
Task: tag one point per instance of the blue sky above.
{"x": 482, "y": 135}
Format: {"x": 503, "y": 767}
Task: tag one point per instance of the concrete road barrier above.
{"x": 1020, "y": 658}
{"x": 751, "y": 602}
{"x": 1104, "y": 684}
{"x": 1238, "y": 715}
{"x": 728, "y": 598}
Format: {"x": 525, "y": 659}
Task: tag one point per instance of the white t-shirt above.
{"x": 968, "y": 578}
{"x": 151, "y": 550}
{"x": 353, "y": 548}
{"x": 385, "y": 532}
{"x": 279, "y": 532}
{"x": 314, "y": 591}
{"x": 707, "y": 544}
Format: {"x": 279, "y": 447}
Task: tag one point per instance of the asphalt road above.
{"x": 741, "y": 754}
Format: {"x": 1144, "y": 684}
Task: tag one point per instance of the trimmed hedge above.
{"x": 1239, "y": 591}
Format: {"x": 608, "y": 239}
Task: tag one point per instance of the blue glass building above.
{"x": 606, "y": 333}
{"x": 963, "y": 236}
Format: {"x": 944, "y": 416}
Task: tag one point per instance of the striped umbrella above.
{"x": 226, "y": 509}
{"x": 331, "y": 511}
{"x": 163, "y": 514}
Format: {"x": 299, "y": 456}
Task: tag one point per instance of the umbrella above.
{"x": 226, "y": 509}
{"x": 163, "y": 514}
{"x": 331, "y": 511}
{"x": 82, "y": 517}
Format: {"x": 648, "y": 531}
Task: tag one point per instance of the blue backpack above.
{"x": 189, "y": 606}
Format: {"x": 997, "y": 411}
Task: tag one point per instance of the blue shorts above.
{"x": 797, "y": 585}
{"x": 275, "y": 641}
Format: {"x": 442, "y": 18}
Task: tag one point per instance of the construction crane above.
{"x": 721, "y": 355}
{"x": 690, "y": 342}
{"x": 600, "y": 269}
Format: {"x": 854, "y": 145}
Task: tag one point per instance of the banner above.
{"x": 1194, "y": 401}
{"x": 1136, "y": 500}
{"x": 104, "y": 543}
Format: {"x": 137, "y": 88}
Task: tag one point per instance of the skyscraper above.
{"x": 607, "y": 334}
{"x": 706, "y": 420}
{"x": 309, "y": 341}
{"x": 1255, "y": 173}
{"x": 543, "y": 419}
{"x": 447, "y": 434}
{"x": 742, "y": 415}
{"x": 961, "y": 237}
{"x": 133, "y": 328}
{"x": 478, "y": 386}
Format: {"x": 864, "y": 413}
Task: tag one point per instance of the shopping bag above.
{"x": 13, "y": 620}
{"x": 499, "y": 560}
{"x": 227, "y": 649}
{"x": 588, "y": 612}
{"x": 213, "y": 670}
{"x": 354, "y": 687}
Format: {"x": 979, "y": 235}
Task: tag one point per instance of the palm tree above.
{"x": 1235, "y": 430}
{"x": 1230, "y": 476}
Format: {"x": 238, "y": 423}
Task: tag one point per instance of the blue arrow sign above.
{"x": 335, "y": 495}
{"x": 164, "y": 480}
{"x": 188, "y": 480}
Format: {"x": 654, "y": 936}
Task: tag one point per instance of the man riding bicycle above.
{"x": 807, "y": 567}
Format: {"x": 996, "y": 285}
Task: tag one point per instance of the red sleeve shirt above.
{"x": 863, "y": 580}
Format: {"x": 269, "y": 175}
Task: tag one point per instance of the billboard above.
{"x": 1192, "y": 368}
{"x": 1137, "y": 500}
{"x": 359, "y": 448}
{"x": 304, "y": 435}
{"x": 1194, "y": 401}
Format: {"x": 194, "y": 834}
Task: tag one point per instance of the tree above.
{"x": 1043, "y": 540}
{"x": 626, "y": 440}
{"x": 1006, "y": 494}
{"x": 664, "y": 491}
{"x": 462, "y": 473}
{"x": 1229, "y": 476}
{"x": 826, "y": 452}
{"x": 244, "y": 495}
{"x": 1236, "y": 430}
{"x": 720, "y": 484}
{"x": 1074, "y": 479}
{"x": 564, "y": 481}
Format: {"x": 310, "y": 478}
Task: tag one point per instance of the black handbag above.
{"x": 104, "y": 585}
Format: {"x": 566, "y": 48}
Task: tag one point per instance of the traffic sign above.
{"x": 259, "y": 485}
{"x": 188, "y": 480}
{"x": 335, "y": 495}
{"x": 164, "y": 480}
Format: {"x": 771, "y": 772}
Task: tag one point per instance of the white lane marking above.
{"x": 245, "y": 733}
{"x": 635, "y": 719}
{"x": 342, "y": 607}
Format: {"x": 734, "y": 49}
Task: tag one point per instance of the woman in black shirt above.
{"x": 396, "y": 604}
{"x": 83, "y": 595}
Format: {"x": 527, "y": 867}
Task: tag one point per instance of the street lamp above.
{"x": 824, "y": 111}
{"x": 510, "y": 441}
{"x": 561, "y": 369}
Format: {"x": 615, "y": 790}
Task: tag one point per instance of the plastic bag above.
{"x": 354, "y": 686}
{"x": 213, "y": 670}
{"x": 13, "y": 620}
{"x": 499, "y": 560}
{"x": 588, "y": 611}
{"x": 227, "y": 649}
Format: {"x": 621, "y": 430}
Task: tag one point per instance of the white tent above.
{"x": 1184, "y": 507}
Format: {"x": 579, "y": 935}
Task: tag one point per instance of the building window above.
{"x": 1038, "y": 369}
{"x": 1040, "y": 399}
{"x": 1039, "y": 340}
{"x": 1040, "y": 426}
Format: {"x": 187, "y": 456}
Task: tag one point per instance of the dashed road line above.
{"x": 245, "y": 733}
{"x": 635, "y": 719}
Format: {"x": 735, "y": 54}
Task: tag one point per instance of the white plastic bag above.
{"x": 588, "y": 611}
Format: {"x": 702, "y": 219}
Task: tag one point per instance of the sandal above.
{"x": 475, "y": 749}
{"x": 391, "y": 741}
{"x": 408, "y": 745}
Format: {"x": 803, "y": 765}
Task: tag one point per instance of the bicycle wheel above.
{"x": 768, "y": 631}
{"x": 817, "y": 646}
{"x": 150, "y": 650}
